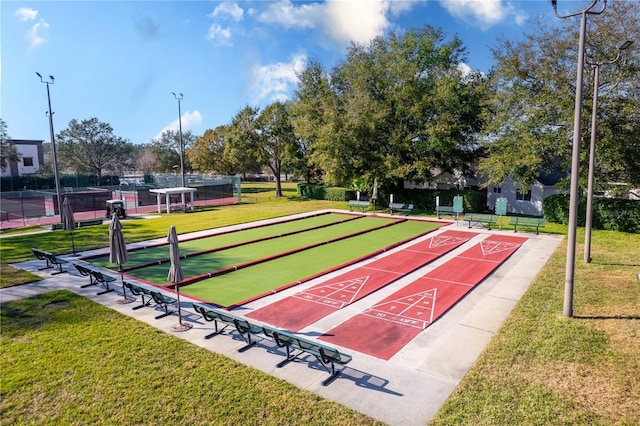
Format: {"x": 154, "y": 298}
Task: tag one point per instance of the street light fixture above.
{"x": 575, "y": 158}
{"x": 54, "y": 156}
{"x": 592, "y": 148}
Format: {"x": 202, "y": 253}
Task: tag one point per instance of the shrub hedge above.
{"x": 611, "y": 214}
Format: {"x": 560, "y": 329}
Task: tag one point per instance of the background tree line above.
{"x": 402, "y": 108}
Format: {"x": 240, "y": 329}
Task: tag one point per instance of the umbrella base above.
{"x": 125, "y": 300}
{"x": 181, "y": 327}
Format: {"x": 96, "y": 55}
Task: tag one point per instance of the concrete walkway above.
{"x": 408, "y": 389}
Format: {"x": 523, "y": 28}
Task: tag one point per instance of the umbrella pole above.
{"x": 124, "y": 299}
{"x": 180, "y": 326}
{"x": 73, "y": 245}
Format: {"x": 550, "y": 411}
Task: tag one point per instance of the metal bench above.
{"x": 242, "y": 326}
{"x": 529, "y": 223}
{"x": 400, "y": 207}
{"x": 51, "y": 260}
{"x": 164, "y": 301}
{"x": 296, "y": 346}
{"x": 95, "y": 277}
{"x": 358, "y": 205}
{"x": 138, "y": 290}
{"x": 445, "y": 211}
{"x": 481, "y": 219}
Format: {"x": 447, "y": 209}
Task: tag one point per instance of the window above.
{"x": 27, "y": 161}
{"x": 497, "y": 189}
{"x": 523, "y": 197}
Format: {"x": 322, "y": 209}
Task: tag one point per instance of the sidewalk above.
{"x": 409, "y": 388}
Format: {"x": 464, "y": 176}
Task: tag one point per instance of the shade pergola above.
{"x": 167, "y": 192}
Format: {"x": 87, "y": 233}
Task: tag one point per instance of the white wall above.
{"x": 509, "y": 190}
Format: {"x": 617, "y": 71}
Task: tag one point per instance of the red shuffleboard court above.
{"x": 396, "y": 320}
{"x": 306, "y": 307}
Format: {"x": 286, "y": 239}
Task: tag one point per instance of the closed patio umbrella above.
{"x": 374, "y": 194}
{"x": 118, "y": 252}
{"x": 68, "y": 223}
{"x": 175, "y": 274}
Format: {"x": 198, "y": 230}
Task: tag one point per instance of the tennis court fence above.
{"x": 29, "y": 206}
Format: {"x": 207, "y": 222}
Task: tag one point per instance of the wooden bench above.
{"x": 529, "y": 223}
{"x": 51, "y": 260}
{"x": 481, "y": 219}
{"x": 95, "y": 277}
{"x": 400, "y": 207}
{"x": 296, "y": 346}
{"x": 358, "y": 205}
{"x": 242, "y": 326}
{"x": 445, "y": 211}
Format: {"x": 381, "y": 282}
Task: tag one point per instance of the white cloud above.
{"x": 26, "y": 14}
{"x": 276, "y": 81}
{"x": 341, "y": 21}
{"x": 228, "y": 9}
{"x": 34, "y": 34}
{"x": 189, "y": 119}
{"x": 220, "y": 36}
{"x": 483, "y": 13}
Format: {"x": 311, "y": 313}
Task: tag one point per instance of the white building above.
{"x": 528, "y": 202}
{"x": 31, "y": 158}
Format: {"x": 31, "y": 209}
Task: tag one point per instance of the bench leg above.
{"x": 216, "y": 332}
{"x": 91, "y": 282}
{"x": 60, "y": 271}
{"x": 143, "y": 303}
{"x": 107, "y": 289}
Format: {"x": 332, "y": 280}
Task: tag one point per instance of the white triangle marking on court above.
{"x": 329, "y": 291}
{"x": 443, "y": 240}
{"x": 397, "y": 309}
{"x": 493, "y": 247}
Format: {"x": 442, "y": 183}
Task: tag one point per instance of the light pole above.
{"x": 54, "y": 156}
{"x": 179, "y": 98}
{"x": 575, "y": 158}
{"x": 592, "y": 148}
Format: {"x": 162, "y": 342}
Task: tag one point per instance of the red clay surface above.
{"x": 385, "y": 328}
{"x": 296, "y": 312}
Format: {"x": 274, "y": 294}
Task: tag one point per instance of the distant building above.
{"x": 528, "y": 202}
{"x": 31, "y": 158}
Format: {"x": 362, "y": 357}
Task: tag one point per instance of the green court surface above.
{"x": 159, "y": 252}
{"x": 240, "y": 286}
{"x": 209, "y": 262}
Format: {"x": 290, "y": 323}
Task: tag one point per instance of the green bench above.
{"x": 400, "y": 207}
{"x": 89, "y": 222}
{"x": 164, "y": 301}
{"x": 445, "y": 211}
{"x": 296, "y": 346}
{"x": 358, "y": 205}
{"x": 529, "y": 223}
{"x": 141, "y": 291}
{"x": 51, "y": 260}
{"x": 95, "y": 277}
{"x": 242, "y": 326}
{"x": 481, "y": 219}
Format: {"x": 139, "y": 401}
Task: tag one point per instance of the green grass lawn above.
{"x": 82, "y": 363}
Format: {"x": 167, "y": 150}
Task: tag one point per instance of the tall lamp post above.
{"x": 179, "y": 98}
{"x": 592, "y": 148}
{"x": 54, "y": 156}
{"x": 575, "y": 158}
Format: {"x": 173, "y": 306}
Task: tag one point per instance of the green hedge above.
{"x": 422, "y": 199}
{"x": 612, "y": 214}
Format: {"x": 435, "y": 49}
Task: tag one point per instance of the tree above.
{"x": 398, "y": 108}
{"x": 207, "y": 153}
{"x": 166, "y": 148}
{"x": 146, "y": 161}
{"x": 8, "y": 151}
{"x": 276, "y": 139}
{"x": 90, "y": 146}
{"x": 531, "y": 106}
{"x": 242, "y": 140}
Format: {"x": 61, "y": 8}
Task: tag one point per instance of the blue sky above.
{"x": 120, "y": 61}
